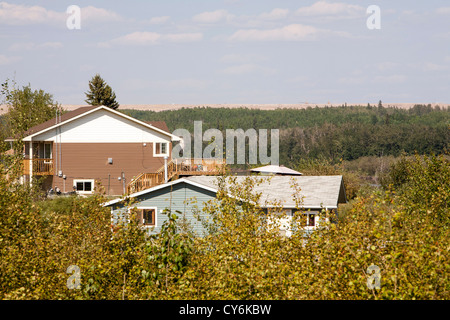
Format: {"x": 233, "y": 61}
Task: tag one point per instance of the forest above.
{"x": 343, "y": 132}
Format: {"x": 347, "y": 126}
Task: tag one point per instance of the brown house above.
{"x": 95, "y": 145}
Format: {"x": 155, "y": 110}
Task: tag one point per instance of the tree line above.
{"x": 343, "y": 132}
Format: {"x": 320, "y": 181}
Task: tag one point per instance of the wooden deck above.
{"x": 175, "y": 169}
{"x": 41, "y": 167}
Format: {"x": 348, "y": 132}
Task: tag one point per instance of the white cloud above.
{"x": 159, "y": 20}
{"x": 247, "y": 69}
{"x": 147, "y": 38}
{"x": 443, "y": 10}
{"x": 135, "y": 38}
{"x": 28, "y": 46}
{"x": 391, "y": 79}
{"x": 183, "y": 37}
{"x": 136, "y": 84}
{"x": 324, "y": 8}
{"x": 213, "y": 16}
{"x": 429, "y": 66}
{"x": 386, "y": 66}
{"x": 5, "y": 60}
{"x": 275, "y": 14}
{"x": 51, "y": 45}
{"x": 16, "y": 14}
{"x": 93, "y": 14}
{"x": 242, "y": 58}
{"x": 292, "y": 32}
{"x": 353, "y": 81}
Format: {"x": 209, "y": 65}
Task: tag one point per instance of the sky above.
{"x": 230, "y": 51}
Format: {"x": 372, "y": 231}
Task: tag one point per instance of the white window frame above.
{"x": 92, "y": 181}
{"x": 156, "y": 216}
{"x": 166, "y": 154}
{"x": 50, "y": 145}
{"x": 315, "y": 213}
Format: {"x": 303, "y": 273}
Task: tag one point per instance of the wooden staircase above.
{"x": 175, "y": 169}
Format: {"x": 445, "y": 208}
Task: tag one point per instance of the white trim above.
{"x": 166, "y": 154}
{"x": 92, "y": 181}
{"x": 173, "y": 137}
{"x": 147, "y": 207}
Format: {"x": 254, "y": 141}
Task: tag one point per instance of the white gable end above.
{"x": 102, "y": 126}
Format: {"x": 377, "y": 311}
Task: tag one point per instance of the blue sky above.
{"x": 231, "y": 51}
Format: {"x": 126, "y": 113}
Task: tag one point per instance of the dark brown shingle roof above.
{"x": 159, "y": 124}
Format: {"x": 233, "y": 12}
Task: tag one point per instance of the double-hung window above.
{"x": 161, "y": 149}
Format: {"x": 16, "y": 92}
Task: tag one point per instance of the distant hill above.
{"x": 164, "y": 107}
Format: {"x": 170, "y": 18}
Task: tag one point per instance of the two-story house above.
{"x": 93, "y": 145}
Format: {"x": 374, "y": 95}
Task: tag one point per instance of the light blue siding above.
{"x": 183, "y": 197}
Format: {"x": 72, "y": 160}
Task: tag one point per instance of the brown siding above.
{"x": 90, "y": 161}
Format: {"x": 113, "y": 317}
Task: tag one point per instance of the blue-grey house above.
{"x": 189, "y": 194}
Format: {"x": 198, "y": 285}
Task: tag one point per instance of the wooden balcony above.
{"x": 175, "y": 169}
{"x": 41, "y": 167}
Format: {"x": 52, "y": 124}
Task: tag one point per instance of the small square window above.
{"x": 147, "y": 217}
{"x": 160, "y": 148}
{"x": 80, "y": 186}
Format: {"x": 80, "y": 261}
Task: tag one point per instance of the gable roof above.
{"x": 83, "y": 111}
{"x": 52, "y": 122}
{"x": 317, "y": 191}
{"x": 161, "y": 186}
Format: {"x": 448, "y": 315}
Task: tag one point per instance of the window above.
{"x": 47, "y": 150}
{"x": 311, "y": 220}
{"x": 147, "y": 216}
{"x": 160, "y": 149}
{"x": 48, "y": 153}
{"x": 83, "y": 186}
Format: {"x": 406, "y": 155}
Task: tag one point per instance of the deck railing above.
{"x": 176, "y": 168}
{"x": 41, "y": 167}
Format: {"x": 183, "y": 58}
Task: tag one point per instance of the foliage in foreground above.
{"x": 403, "y": 232}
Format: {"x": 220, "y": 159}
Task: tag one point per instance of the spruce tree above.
{"x": 100, "y": 93}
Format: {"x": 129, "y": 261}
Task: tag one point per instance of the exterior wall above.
{"x": 179, "y": 198}
{"x": 90, "y": 161}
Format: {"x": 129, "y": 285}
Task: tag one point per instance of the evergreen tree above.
{"x": 100, "y": 93}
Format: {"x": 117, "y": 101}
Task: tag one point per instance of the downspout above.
{"x": 165, "y": 169}
{"x": 31, "y": 161}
